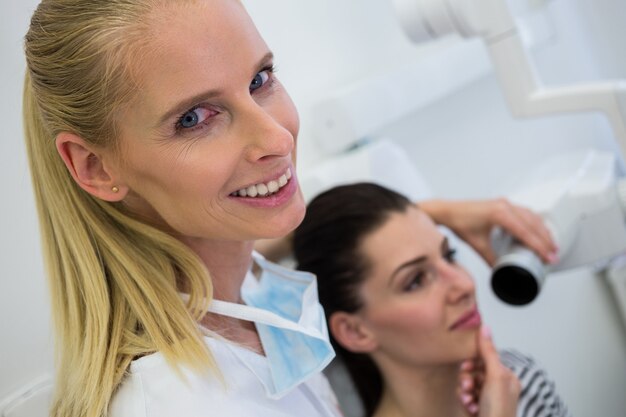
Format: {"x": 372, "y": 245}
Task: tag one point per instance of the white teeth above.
{"x": 252, "y": 192}
{"x": 272, "y": 186}
{"x": 263, "y": 190}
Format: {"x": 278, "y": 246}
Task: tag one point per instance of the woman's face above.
{"x": 210, "y": 120}
{"x": 418, "y": 303}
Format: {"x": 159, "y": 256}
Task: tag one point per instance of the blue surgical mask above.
{"x": 290, "y": 322}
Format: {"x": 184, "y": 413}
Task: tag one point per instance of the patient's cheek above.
{"x": 410, "y": 319}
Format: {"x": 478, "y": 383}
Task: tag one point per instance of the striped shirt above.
{"x": 538, "y": 397}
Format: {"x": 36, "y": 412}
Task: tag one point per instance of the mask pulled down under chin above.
{"x": 290, "y": 321}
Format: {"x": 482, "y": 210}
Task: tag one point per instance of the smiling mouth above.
{"x": 264, "y": 189}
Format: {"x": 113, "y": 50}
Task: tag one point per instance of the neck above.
{"x": 420, "y": 391}
{"x": 227, "y": 263}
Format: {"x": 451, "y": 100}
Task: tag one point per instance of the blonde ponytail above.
{"x": 112, "y": 278}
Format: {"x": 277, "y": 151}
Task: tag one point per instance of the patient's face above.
{"x": 419, "y": 304}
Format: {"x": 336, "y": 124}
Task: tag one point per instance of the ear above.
{"x": 352, "y": 333}
{"x": 86, "y": 165}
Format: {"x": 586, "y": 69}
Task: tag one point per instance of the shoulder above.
{"x": 319, "y": 384}
{"x": 153, "y": 388}
{"x": 538, "y": 397}
{"x": 516, "y": 361}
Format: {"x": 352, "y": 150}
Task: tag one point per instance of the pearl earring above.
{"x": 115, "y": 189}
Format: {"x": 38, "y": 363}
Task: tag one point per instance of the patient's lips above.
{"x": 469, "y": 320}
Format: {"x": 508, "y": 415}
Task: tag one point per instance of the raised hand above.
{"x": 473, "y": 222}
{"x": 500, "y": 389}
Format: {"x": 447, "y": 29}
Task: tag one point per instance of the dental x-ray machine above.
{"x": 491, "y": 20}
{"x": 579, "y": 195}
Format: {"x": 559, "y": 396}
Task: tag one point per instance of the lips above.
{"x": 283, "y": 195}
{"x": 469, "y": 320}
{"x": 264, "y": 189}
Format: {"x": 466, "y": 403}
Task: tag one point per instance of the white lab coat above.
{"x": 152, "y": 389}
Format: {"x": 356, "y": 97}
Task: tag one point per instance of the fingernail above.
{"x": 466, "y": 383}
{"x": 472, "y": 408}
{"x": 466, "y": 399}
{"x": 553, "y": 258}
{"x": 466, "y": 366}
{"x": 485, "y": 331}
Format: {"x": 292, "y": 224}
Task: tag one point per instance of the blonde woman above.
{"x": 161, "y": 146}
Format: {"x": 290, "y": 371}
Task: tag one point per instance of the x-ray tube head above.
{"x": 518, "y": 275}
{"x": 579, "y": 199}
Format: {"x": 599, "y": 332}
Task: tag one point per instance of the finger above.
{"x": 478, "y": 364}
{"x": 467, "y": 365}
{"x": 509, "y": 217}
{"x": 548, "y": 248}
{"x": 479, "y": 380}
{"x": 472, "y": 370}
{"x": 535, "y": 221}
{"x": 466, "y": 383}
{"x": 484, "y": 249}
{"x": 487, "y": 350}
{"x": 470, "y": 403}
{"x": 466, "y": 398}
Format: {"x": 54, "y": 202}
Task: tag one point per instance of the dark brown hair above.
{"x": 327, "y": 243}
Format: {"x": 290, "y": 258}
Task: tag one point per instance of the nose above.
{"x": 460, "y": 285}
{"x": 265, "y": 133}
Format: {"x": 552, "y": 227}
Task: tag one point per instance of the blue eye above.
{"x": 194, "y": 118}
{"x": 260, "y": 79}
{"x": 189, "y": 119}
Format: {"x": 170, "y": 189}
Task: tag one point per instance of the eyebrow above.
{"x": 189, "y": 102}
{"x": 417, "y": 261}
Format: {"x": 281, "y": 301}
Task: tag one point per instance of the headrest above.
{"x": 382, "y": 162}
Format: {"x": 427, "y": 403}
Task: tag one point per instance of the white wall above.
{"x": 467, "y": 146}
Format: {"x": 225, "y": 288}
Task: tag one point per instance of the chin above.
{"x": 468, "y": 348}
{"x": 296, "y": 213}
{"x": 472, "y": 351}
{"x": 286, "y": 223}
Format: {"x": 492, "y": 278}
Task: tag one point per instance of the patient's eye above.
{"x": 416, "y": 281}
{"x": 450, "y": 256}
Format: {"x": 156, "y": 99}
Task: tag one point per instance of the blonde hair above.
{"x": 112, "y": 278}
